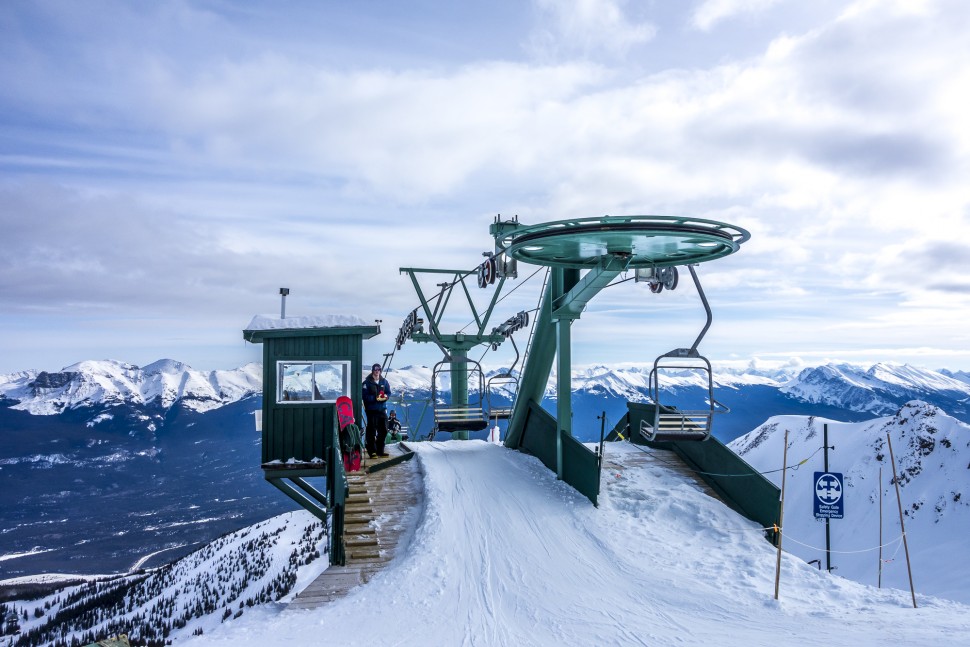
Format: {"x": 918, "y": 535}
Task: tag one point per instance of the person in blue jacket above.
{"x": 376, "y": 392}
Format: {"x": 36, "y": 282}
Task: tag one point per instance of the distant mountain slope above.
{"x": 109, "y": 382}
{"x": 932, "y": 453}
{"x": 880, "y": 389}
{"x": 96, "y": 488}
{"x": 217, "y": 583}
{"x": 753, "y": 392}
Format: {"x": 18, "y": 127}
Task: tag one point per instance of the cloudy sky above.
{"x": 166, "y": 167}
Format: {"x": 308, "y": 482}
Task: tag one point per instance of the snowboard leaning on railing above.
{"x": 351, "y": 447}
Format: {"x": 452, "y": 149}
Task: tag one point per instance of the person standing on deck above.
{"x": 376, "y": 391}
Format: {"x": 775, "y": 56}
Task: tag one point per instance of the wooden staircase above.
{"x": 380, "y": 514}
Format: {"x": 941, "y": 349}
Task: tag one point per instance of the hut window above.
{"x": 313, "y": 381}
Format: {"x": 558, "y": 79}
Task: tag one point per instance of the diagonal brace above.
{"x": 572, "y": 304}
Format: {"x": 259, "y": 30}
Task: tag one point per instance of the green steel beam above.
{"x": 435, "y": 316}
{"x": 307, "y": 503}
{"x": 564, "y": 412}
{"x": 455, "y": 346}
{"x": 552, "y": 339}
{"x": 311, "y": 491}
{"x": 459, "y": 385}
{"x": 572, "y": 303}
{"x": 542, "y": 354}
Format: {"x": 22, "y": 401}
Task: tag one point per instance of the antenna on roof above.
{"x": 283, "y": 293}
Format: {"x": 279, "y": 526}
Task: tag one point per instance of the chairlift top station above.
{"x": 582, "y": 256}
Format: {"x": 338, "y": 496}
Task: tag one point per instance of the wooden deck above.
{"x": 381, "y": 512}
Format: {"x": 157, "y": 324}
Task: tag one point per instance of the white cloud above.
{"x": 844, "y": 149}
{"x": 710, "y": 12}
{"x": 586, "y": 27}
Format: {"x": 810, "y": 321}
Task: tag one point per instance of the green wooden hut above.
{"x": 308, "y": 362}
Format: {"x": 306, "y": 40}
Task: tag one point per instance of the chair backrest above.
{"x": 460, "y": 418}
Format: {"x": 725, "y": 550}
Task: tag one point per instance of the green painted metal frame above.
{"x": 605, "y": 246}
{"x": 557, "y": 449}
{"x": 454, "y": 346}
{"x": 650, "y": 241}
{"x": 565, "y": 299}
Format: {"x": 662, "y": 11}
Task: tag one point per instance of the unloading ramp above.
{"x": 665, "y": 459}
{"x": 724, "y": 473}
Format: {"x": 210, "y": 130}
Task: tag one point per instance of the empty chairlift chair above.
{"x": 461, "y": 416}
{"x": 670, "y": 423}
{"x": 505, "y": 380}
{"x": 496, "y": 383}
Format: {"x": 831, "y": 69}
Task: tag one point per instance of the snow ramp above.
{"x": 728, "y": 476}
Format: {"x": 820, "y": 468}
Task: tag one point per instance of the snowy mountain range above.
{"x": 109, "y": 382}
{"x": 879, "y": 389}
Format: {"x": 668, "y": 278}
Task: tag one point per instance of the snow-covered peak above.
{"x": 111, "y": 382}
{"x": 165, "y": 366}
{"x": 409, "y": 379}
{"x": 877, "y": 389}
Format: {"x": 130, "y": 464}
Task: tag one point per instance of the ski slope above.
{"x": 504, "y": 554}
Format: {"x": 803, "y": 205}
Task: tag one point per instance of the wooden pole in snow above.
{"x": 781, "y": 514}
{"x": 902, "y": 527}
{"x": 880, "y": 527}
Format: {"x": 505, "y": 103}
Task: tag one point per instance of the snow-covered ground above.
{"x": 504, "y": 554}
{"x": 932, "y": 455}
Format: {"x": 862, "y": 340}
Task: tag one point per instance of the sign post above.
{"x": 828, "y": 504}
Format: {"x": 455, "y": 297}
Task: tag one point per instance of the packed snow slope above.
{"x": 504, "y": 554}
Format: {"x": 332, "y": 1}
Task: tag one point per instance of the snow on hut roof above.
{"x": 273, "y": 322}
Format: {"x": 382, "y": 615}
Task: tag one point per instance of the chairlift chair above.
{"x": 457, "y": 417}
{"x": 497, "y": 382}
{"x": 402, "y": 403}
{"x": 669, "y": 423}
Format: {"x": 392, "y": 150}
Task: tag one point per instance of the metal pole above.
{"x": 902, "y": 527}
{"x": 828, "y": 536}
{"x": 563, "y": 405}
{"x": 283, "y": 293}
{"x": 781, "y": 514}
{"x": 459, "y": 384}
{"x": 880, "y": 528}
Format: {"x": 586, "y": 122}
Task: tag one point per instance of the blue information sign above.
{"x": 828, "y": 495}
